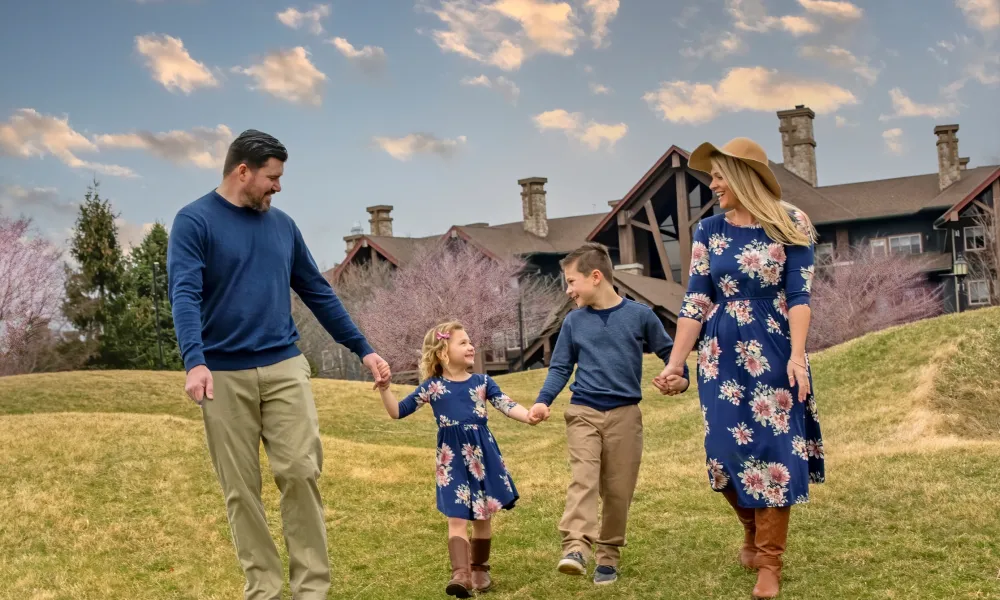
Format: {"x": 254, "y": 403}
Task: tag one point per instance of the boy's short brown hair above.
{"x": 589, "y": 257}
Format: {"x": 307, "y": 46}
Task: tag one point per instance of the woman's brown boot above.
{"x": 460, "y": 585}
{"x": 772, "y": 533}
{"x": 480, "y": 564}
{"x": 748, "y": 553}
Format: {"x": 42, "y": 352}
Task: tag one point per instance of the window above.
{"x": 975, "y": 238}
{"x": 905, "y": 244}
{"x": 496, "y": 352}
{"x": 824, "y": 254}
{"x": 878, "y": 246}
{"x": 978, "y": 292}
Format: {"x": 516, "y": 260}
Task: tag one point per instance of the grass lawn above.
{"x": 107, "y": 491}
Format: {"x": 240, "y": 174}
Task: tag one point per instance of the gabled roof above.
{"x": 565, "y": 234}
{"x": 970, "y": 194}
{"x": 902, "y": 195}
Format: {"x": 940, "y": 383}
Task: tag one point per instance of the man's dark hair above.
{"x": 253, "y": 148}
{"x": 588, "y": 258}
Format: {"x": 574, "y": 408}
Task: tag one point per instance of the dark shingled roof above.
{"x": 660, "y": 292}
{"x": 403, "y": 248}
{"x": 565, "y": 234}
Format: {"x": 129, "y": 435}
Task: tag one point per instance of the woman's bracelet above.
{"x": 792, "y": 360}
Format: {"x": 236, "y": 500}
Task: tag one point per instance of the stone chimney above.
{"x": 798, "y": 146}
{"x": 963, "y": 163}
{"x": 381, "y": 222}
{"x": 949, "y": 168}
{"x": 533, "y": 205}
{"x": 352, "y": 240}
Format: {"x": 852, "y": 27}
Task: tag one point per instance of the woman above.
{"x": 747, "y": 307}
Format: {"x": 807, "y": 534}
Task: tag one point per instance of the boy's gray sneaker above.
{"x": 573, "y": 564}
{"x": 605, "y": 574}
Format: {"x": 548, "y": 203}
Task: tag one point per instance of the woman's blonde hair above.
{"x": 436, "y": 341}
{"x": 774, "y": 215}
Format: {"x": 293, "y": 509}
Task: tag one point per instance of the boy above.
{"x": 605, "y": 339}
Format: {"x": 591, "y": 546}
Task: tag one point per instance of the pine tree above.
{"x": 93, "y": 289}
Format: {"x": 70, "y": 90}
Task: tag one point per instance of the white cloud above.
{"x": 716, "y": 46}
{"x": 310, "y": 19}
{"x": 688, "y": 13}
{"x": 289, "y": 75}
{"x": 843, "y": 122}
{"x": 507, "y": 88}
{"x": 171, "y": 65}
{"x": 15, "y": 199}
{"x": 744, "y": 88}
{"x": 974, "y": 61}
{"x": 894, "y": 140}
{"x": 370, "y": 59}
{"x": 29, "y": 133}
{"x": 981, "y": 14}
{"x": 203, "y": 147}
{"x": 844, "y": 11}
{"x": 591, "y": 133}
{"x": 750, "y": 15}
{"x": 599, "y": 89}
{"x": 841, "y": 58}
{"x": 602, "y": 12}
{"x": 903, "y": 107}
{"x": 505, "y": 33}
{"x": 403, "y": 148}
{"x": 130, "y": 235}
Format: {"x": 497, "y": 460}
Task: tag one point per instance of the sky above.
{"x": 438, "y": 107}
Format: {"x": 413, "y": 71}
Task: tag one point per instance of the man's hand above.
{"x": 380, "y": 370}
{"x": 199, "y": 384}
{"x": 539, "y": 412}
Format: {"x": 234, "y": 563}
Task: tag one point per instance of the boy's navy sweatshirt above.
{"x": 607, "y": 347}
{"x": 229, "y": 274}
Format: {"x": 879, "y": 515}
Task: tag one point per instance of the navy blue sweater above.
{"x": 230, "y": 272}
{"x": 607, "y": 347}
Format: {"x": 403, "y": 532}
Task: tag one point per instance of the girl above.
{"x": 473, "y": 483}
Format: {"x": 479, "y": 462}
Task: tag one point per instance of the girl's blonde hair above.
{"x": 774, "y": 215}
{"x": 436, "y": 340}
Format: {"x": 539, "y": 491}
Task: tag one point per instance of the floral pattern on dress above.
{"x": 761, "y": 442}
{"x": 484, "y": 486}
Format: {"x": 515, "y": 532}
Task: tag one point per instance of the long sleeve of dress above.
{"x": 700, "y": 294}
{"x": 799, "y": 272}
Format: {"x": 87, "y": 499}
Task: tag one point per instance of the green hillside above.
{"x": 107, "y": 490}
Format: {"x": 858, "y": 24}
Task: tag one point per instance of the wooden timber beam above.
{"x": 983, "y": 206}
{"x": 626, "y": 237}
{"x": 668, "y": 273}
{"x": 703, "y": 212}
{"x": 683, "y": 218}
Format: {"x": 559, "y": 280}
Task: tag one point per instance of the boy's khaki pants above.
{"x": 605, "y": 450}
{"x": 273, "y": 403}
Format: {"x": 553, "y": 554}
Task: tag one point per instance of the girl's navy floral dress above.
{"x": 758, "y": 437}
{"x": 472, "y": 480}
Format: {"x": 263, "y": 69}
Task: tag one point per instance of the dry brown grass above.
{"x": 107, "y": 490}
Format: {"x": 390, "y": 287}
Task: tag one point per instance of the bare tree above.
{"x": 866, "y": 292}
{"x": 31, "y": 291}
{"x": 454, "y": 281}
{"x": 355, "y": 286}
{"x": 984, "y": 255}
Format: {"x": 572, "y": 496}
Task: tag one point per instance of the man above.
{"x": 231, "y": 260}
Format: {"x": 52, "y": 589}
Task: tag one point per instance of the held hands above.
{"x": 797, "y": 373}
{"x": 671, "y": 381}
{"x": 539, "y": 412}
{"x": 380, "y": 370}
{"x": 199, "y": 384}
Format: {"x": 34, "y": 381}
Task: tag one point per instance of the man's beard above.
{"x": 259, "y": 204}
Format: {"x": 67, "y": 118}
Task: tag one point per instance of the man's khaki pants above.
{"x": 605, "y": 450}
{"x": 273, "y": 403}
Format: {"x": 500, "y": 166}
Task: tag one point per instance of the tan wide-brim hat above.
{"x": 743, "y": 149}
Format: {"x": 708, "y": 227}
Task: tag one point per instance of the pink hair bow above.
{"x": 442, "y": 336}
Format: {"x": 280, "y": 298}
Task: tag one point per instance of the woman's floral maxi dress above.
{"x": 759, "y": 438}
{"x": 472, "y": 480}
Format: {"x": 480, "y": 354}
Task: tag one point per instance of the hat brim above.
{"x": 701, "y": 160}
